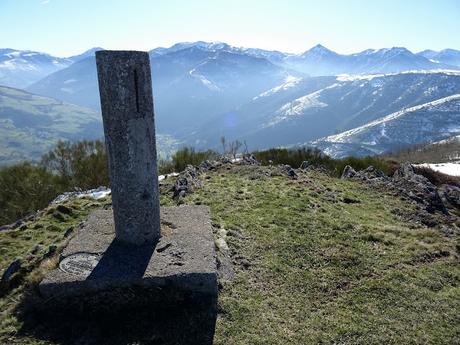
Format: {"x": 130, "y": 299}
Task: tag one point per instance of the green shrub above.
{"x": 295, "y": 157}
{"x": 184, "y": 157}
{"x": 445, "y": 151}
{"x": 25, "y": 187}
{"x": 437, "y": 178}
{"x": 81, "y": 165}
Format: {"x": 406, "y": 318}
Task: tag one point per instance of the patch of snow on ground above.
{"x": 343, "y": 137}
{"x": 162, "y": 177}
{"x": 289, "y": 83}
{"x": 97, "y": 193}
{"x": 452, "y": 169}
{"x": 209, "y": 84}
{"x": 67, "y": 89}
{"x": 299, "y": 105}
{"x": 353, "y": 77}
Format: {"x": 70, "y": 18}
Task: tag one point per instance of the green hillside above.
{"x": 30, "y": 124}
{"x": 317, "y": 260}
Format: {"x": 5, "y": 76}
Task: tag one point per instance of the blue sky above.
{"x": 68, "y": 27}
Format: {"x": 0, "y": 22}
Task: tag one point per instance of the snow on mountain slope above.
{"x": 447, "y": 56}
{"x": 428, "y": 122}
{"x": 304, "y": 109}
{"x": 20, "y": 68}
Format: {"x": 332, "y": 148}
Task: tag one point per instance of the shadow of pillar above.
{"x": 128, "y": 314}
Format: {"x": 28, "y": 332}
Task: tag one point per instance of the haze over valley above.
{"x": 357, "y": 104}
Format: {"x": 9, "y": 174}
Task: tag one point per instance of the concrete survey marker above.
{"x": 119, "y": 258}
{"x": 79, "y": 263}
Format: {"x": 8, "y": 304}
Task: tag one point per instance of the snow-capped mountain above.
{"x": 305, "y": 109}
{"x": 20, "y": 68}
{"x": 190, "y": 84}
{"x": 321, "y": 61}
{"x": 446, "y": 56}
{"x": 204, "y": 90}
{"x": 428, "y": 122}
{"x": 84, "y": 55}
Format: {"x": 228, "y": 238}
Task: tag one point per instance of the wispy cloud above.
{"x": 45, "y": 2}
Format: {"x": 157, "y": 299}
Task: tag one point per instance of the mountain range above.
{"x": 268, "y": 98}
{"x": 428, "y": 122}
{"x": 21, "y": 68}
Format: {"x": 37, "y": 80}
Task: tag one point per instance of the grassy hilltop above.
{"x": 316, "y": 259}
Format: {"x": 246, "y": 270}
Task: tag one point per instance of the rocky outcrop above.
{"x": 287, "y": 169}
{"x": 250, "y": 159}
{"x": 186, "y": 182}
{"x": 13, "y": 268}
{"x": 348, "y": 172}
{"x": 418, "y": 188}
{"x": 407, "y": 183}
{"x": 304, "y": 165}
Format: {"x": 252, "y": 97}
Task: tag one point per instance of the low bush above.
{"x": 437, "y": 178}
{"x": 184, "y": 157}
{"x": 445, "y": 151}
{"x": 24, "y": 188}
{"x": 80, "y": 165}
{"x": 295, "y": 157}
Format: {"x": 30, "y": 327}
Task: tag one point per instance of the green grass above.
{"x": 48, "y": 230}
{"x": 30, "y": 125}
{"x": 323, "y": 271}
{"x": 309, "y": 267}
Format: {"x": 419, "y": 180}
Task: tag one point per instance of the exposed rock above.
{"x": 38, "y": 248}
{"x": 250, "y": 159}
{"x": 14, "y": 267}
{"x": 407, "y": 183}
{"x": 225, "y": 160}
{"x": 58, "y": 216}
{"x": 371, "y": 173}
{"x": 187, "y": 180}
{"x": 50, "y": 252}
{"x": 348, "y": 172}
{"x": 207, "y": 166}
{"x": 450, "y": 195}
{"x": 304, "y": 165}
{"x": 68, "y": 232}
{"x": 287, "y": 169}
{"x": 64, "y": 209}
{"x": 418, "y": 188}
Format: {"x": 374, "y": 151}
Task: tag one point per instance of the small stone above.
{"x": 64, "y": 209}
{"x": 250, "y": 159}
{"x": 38, "y": 248}
{"x": 58, "y": 216}
{"x": 51, "y": 251}
{"x": 68, "y": 232}
{"x": 14, "y": 267}
{"x": 289, "y": 171}
{"x": 348, "y": 172}
{"x": 304, "y": 165}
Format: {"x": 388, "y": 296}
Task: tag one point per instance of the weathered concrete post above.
{"x": 125, "y": 89}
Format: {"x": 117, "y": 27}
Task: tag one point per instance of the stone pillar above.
{"x": 125, "y": 89}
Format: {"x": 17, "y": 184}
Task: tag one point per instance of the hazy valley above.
{"x": 206, "y": 90}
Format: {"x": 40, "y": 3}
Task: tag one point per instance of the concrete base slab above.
{"x": 97, "y": 271}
